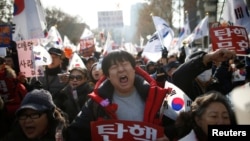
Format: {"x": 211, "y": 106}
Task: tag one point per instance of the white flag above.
{"x": 160, "y": 39}
{"x": 200, "y": 31}
{"x": 177, "y": 101}
{"x": 153, "y": 49}
{"x": 41, "y": 56}
{"x": 87, "y": 34}
{"x": 129, "y": 47}
{"x": 236, "y": 12}
{"x": 141, "y": 41}
{"x": 66, "y": 41}
{"x": 30, "y": 22}
{"x": 185, "y": 32}
{"x": 165, "y": 32}
{"x": 108, "y": 45}
{"x": 189, "y": 137}
{"x": 54, "y": 37}
{"x": 76, "y": 61}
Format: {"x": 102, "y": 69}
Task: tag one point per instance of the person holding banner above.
{"x": 198, "y": 63}
{"x": 125, "y": 100}
{"x": 212, "y": 108}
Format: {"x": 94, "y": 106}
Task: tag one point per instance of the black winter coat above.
{"x": 184, "y": 76}
{"x": 65, "y": 101}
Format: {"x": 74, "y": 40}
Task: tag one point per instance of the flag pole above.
{"x": 141, "y": 41}
{"x": 180, "y": 40}
{"x": 222, "y": 9}
{"x": 208, "y": 36}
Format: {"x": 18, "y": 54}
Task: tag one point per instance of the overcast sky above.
{"x": 87, "y": 9}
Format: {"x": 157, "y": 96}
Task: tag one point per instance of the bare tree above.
{"x": 145, "y": 25}
{"x": 66, "y": 24}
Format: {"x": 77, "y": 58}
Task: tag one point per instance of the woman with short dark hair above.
{"x": 212, "y": 108}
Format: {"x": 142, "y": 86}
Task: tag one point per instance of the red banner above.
{"x": 119, "y": 130}
{"x": 230, "y": 37}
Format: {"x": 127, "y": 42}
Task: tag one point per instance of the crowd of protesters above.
{"x": 40, "y": 109}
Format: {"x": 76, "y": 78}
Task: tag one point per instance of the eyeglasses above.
{"x": 32, "y": 116}
{"x": 77, "y": 77}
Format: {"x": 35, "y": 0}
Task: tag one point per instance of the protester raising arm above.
{"x": 198, "y": 63}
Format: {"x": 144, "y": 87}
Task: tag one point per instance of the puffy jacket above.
{"x": 65, "y": 101}
{"x": 184, "y": 76}
{"x": 148, "y": 90}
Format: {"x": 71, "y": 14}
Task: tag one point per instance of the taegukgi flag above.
{"x": 185, "y": 32}
{"x": 29, "y": 18}
{"x": 164, "y": 31}
{"x": 161, "y": 39}
{"x": 237, "y": 12}
{"x": 153, "y": 49}
{"x": 200, "y": 31}
{"x": 176, "y": 102}
{"x": 41, "y": 56}
{"x": 54, "y": 37}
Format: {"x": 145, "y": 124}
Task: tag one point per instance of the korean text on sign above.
{"x": 125, "y": 130}
{"x": 230, "y": 37}
{"x": 26, "y": 63}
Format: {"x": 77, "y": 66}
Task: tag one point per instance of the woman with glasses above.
{"x": 38, "y": 118}
{"x": 73, "y": 96}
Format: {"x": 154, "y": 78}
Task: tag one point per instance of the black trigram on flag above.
{"x": 247, "y": 12}
{"x": 239, "y": 12}
{"x": 154, "y": 37}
